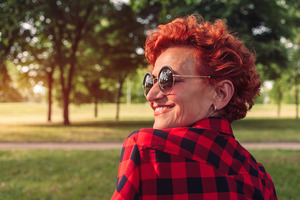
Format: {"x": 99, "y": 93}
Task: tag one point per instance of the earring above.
{"x": 215, "y": 108}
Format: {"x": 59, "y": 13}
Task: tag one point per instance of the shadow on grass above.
{"x": 250, "y": 123}
{"x": 262, "y": 123}
{"x": 246, "y": 130}
{"x": 102, "y": 124}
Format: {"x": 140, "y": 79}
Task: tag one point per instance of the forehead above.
{"x": 180, "y": 59}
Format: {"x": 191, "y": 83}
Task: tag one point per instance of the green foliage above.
{"x": 86, "y": 50}
{"x": 135, "y": 83}
{"x": 12, "y": 34}
{"x": 261, "y": 24}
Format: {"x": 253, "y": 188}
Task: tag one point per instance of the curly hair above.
{"x": 218, "y": 53}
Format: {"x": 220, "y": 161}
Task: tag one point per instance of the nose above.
{"x": 154, "y": 93}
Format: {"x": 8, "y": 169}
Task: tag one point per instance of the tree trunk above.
{"x": 279, "y": 101}
{"x": 66, "y": 101}
{"x": 66, "y": 97}
{"x": 119, "y": 95}
{"x": 297, "y": 96}
{"x": 49, "y": 98}
{"x": 4, "y": 78}
{"x": 96, "y": 108}
{"x": 50, "y": 84}
{"x": 128, "y": 92}
{"x": 297, "y": 102}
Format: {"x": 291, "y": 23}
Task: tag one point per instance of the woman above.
{"x": 203, "y": 79}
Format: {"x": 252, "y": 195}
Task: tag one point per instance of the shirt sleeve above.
{"x": 128, "y": 175}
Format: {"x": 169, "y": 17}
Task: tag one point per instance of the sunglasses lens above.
{"x": 147, "y": 83}
{"x": 165, "y": 80}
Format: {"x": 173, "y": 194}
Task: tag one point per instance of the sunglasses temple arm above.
{"x": 190, "y": 76}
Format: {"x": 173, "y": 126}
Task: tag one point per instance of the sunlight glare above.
{"x": 117, "y": 2}
{"x": 38, "y": 89}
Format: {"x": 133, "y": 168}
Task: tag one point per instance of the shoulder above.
{"x": 139, "y": 137}
{"x": 142, "y": 137}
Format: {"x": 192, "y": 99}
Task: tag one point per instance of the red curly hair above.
{"x": 219, "y": 54}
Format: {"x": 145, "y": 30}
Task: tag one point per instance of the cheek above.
{"x": 185, "y": 102}
{"x": 185, "y": 110}
{"x": 197, "y": 105}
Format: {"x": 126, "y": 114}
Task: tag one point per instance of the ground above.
{"x": 118, "y": 145}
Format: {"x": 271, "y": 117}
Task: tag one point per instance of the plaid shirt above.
{"x": 203, "y": 161}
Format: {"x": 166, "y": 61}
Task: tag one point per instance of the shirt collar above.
{"x": 215, "y": 123}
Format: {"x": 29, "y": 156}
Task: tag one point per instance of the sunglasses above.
{"x": 165, "y": 79}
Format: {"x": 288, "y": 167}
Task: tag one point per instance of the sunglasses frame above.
{"x": 173, "y": 82}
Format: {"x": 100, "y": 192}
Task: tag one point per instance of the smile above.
{"x": 161, "y": 110}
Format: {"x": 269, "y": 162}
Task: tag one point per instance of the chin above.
{"x": 156, "y": 126}
{"x": 162, "y": 125}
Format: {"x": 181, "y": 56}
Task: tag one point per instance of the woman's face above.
{"x": 191, "y": 98}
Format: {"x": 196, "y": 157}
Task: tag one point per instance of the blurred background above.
{"x": 66, "y": 52}
{"x": 71, "y": 71}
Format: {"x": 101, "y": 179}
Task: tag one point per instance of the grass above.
{"x": 56, "y": 175}
{"x": 89, "y": 175}
{"x": 27, "y": 122}
{"x": 77, "y": 175}
{"x": 267, "y": 130}
{"x": 284, "y": 168}
{"x": 78, "y": 132}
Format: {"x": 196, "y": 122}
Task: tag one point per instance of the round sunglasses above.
{"x": 166, "y": 80}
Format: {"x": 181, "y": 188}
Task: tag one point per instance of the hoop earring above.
{"x": 215, "y": 108}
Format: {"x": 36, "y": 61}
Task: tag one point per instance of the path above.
{"x": 118, "y": 145}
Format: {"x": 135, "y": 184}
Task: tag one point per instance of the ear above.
{"x": 224, "y": 92}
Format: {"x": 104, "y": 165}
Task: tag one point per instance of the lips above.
{"x": 162, "y": 109}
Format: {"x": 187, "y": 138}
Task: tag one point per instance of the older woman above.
{"x": 203, "y": 78}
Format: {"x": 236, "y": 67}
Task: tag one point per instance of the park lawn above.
{"x": 267, "y": 130}
{"x": 26, "y": 122}
{"x": 283, "y": 166}
{"x": 77, "y": 132}
{"x": 58, "y": 175}
{"x": 248, "y": 130}
{"x": 77, "y": 175}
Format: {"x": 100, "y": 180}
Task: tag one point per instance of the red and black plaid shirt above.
{"x": 203, "y": 161}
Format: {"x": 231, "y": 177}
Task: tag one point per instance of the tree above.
{"x": 296, "y": 75}
{"x": 90, "y": 86}
{"x": 295, "y": 16}
{"x": 12, "y": 34}
{"x": 125, "y": 39}
{"x": 60, "y": 31}
{"x": 259, "y": 23}
{"x": 66, "y": 23}
{"x": 292, "y": 45}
